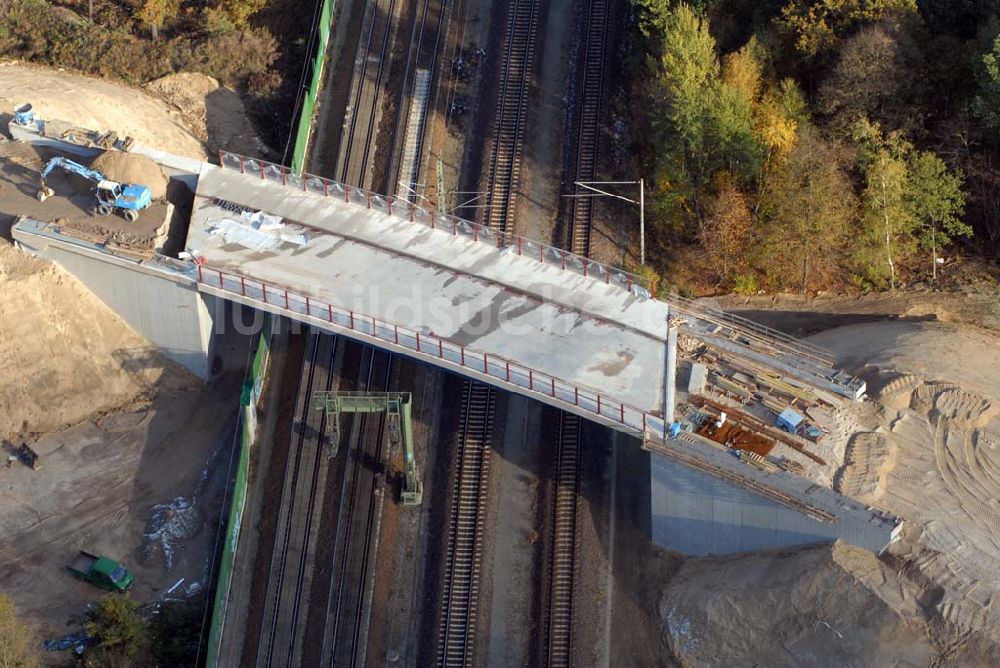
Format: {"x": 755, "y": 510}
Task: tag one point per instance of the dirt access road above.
{"x": 143, "y": 485}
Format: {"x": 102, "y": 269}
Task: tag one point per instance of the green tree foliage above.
{"x": 120, "y": 631}
{"x": 910, "y": 200}
{"x": 704, "y": 123}
{"x": 986, "y": 104}
{"x": 937, "y": 202}
{"x": 887, "y": 219}
{"x": 806, "y": 211}
{"x": 15, "y": 638}
{"x": 834, "y": 139}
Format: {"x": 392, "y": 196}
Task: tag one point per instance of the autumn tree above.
{"x": 728, "y": 226}
{"x": 817, "y": 26}
{"x": 15, "y": 638}
{"x": 240, "y": 11}
{"x": 807, "y": 208}
{"x": 155, "y": 13}
{"x": 877, "y": 76}
{"x": 120, "y": 632}
{"x": 703, "y": 122}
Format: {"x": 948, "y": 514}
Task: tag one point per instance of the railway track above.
{"x": 562, "y": 564}
{"x": 357, "y": 146}
{"x": 511, "y": 114}
{"x": 457, "y": 621}
{"x": 588, "y": 123}
{"x": 562, "y": 557}
{"x": 348, "y": 604}
{"x": 282, "y": 628}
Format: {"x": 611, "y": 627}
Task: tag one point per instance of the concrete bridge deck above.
{"x": 558, "y": 327}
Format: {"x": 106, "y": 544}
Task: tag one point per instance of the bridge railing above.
{"x": 492, "y": 366}
{"x": 547, "y": 255}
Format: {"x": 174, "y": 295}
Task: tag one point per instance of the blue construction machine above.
{"x": 111, "y": 195}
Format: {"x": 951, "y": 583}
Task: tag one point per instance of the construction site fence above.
{"x": 493, "y": 367}
{"x": 545, "y": 254}
{"x": 318, "y": 62}
{"x": 249, "y": 401}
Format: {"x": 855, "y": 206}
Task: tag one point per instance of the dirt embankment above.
{"x": 803, "y": 315}
{"x": 818, "y": 606}
{"x": 213, "y": 112}
{"x": 931, "y": 457}
{"x": 64, "y": 354}
{"x": 95, "y": 104}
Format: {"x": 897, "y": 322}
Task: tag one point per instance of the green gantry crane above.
{"x": 394, "y": 404}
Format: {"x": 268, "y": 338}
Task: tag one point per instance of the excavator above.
{"x": 111, "y": 195}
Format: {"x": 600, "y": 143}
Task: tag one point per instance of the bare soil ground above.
{"x": 931, "y": 458}
{"x": 143, "y": 484}
{"x": 816, "y": 606}
{"x": 803, "y": 315}
{"x": 134, "y": 450}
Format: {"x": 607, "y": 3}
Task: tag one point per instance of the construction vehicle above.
{"x": 396, "y": 405}
{"x": 101, "y": 572}
{"x": 111, "y": 195}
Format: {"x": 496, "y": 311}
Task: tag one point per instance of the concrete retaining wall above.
{"x": 163, "y": 306}
{"x": 698, "y": 514}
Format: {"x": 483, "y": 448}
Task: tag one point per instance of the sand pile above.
{"x": 63, "y": 355}
{"x": 132, "y": 168}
